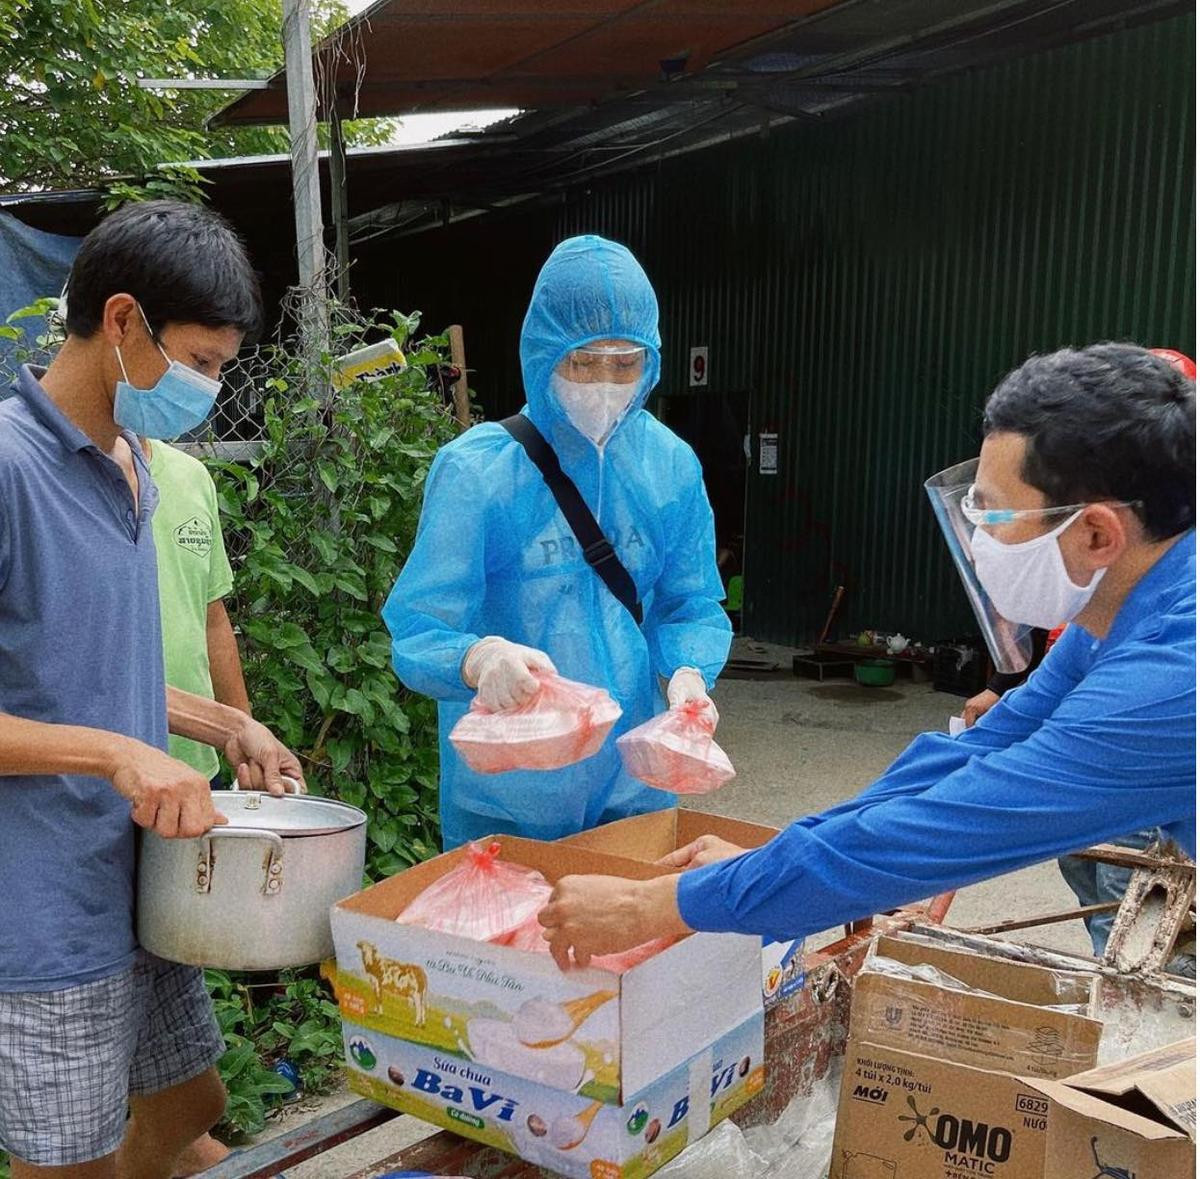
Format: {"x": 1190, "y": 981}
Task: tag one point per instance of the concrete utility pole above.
{"x": 306, "y": 179}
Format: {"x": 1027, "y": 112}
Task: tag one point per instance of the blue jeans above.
{"x": 1094, "y": 883}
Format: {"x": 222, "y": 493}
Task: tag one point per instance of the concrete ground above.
{"x": 799, "y": 746}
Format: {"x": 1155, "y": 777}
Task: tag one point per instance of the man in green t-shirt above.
{"x": 199, "y": 647}
{"x": 200, "y": 651}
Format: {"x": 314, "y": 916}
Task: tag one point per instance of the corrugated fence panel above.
{"x": 868, "y": 281}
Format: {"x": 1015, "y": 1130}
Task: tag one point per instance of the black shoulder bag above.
{"x": 597, "y": 549}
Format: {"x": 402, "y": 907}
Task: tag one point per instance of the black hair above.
{"x": 1107, "y": 422}
{"x": 183, "y": 263}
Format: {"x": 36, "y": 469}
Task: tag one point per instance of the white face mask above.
{"x": 594, "y": 407}
{"x": 1028, "y": 582}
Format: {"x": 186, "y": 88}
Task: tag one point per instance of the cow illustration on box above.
{"x": 405, "y": 980}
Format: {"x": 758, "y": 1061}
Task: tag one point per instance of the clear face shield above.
{"x": 1008, "y": 642}
{"x": 596, "y": 384}
{"x": 617, "y": 362}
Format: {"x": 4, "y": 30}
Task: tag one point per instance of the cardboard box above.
{"x": 412, "y": 999}
{"x": 647, "y": 838}
{"x": 626, "y": 1141}
{"x": 1010, "y": 1018}
{"x": 1135, "y": 1119}
{"x": 932, "y": 1087}
{"x": 906, "y": 1116}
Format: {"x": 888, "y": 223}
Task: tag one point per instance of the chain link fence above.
{"x": 236, "y": 423}
{"x": 234, "y": 430}
{"x": 233, "y": 433}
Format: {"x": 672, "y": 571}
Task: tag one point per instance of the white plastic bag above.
{"x": 489, "y": 899}
{"x": 721, "y": 1154}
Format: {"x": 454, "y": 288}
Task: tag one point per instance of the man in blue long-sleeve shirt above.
{"x": 1083, "y": 504}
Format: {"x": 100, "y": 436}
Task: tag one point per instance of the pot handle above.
{"x": 272, "y": 867}
{"x": 293, "y": 786}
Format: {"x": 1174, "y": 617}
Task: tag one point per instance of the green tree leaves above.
{"x": 72, "y": 113}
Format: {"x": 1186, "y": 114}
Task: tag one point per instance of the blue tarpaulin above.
{"x": 32, "y": 264}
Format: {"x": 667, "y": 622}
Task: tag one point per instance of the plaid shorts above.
{"x": 70, "y": 1059}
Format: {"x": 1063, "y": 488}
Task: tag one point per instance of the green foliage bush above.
{"x": 293, "y": 1019}
{"x": 324, "y": 518}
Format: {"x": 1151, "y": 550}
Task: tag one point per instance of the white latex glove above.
{"x": 686, "y": 685}
{"x": 502, "y": 672}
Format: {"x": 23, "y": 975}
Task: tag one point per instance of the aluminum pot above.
{"x": 256, "y": 894}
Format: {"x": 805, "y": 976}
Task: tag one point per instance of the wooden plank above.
{"x": 448, "y": 1154}
{"x": 305, "y": 1142}
{"x": 838, "y": 595}
{"x": 458, "y": 357}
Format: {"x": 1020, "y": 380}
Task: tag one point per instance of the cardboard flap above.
{"x": 1173, "y": 1094}
{"x": 1163, "y": 1077}
{"x": 650, "y": 837}
{"x": 692, "y": 824}
{"x": 1122, "y": 1075}
{"x": 641, "y": 837}
{"x": 1019, "y": 981}
{"x": 1089, "y": 1106}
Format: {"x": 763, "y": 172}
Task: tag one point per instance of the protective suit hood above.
{"x": 589, "y": 289}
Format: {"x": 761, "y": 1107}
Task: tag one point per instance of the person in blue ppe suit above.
{"x": 1082, "y": 508}
{"x": 496, "y": 587}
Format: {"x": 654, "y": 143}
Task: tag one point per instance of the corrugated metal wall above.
{"x": 868, "y": 281}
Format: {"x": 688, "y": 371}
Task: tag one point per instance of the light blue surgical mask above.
{"x": 179, "y": 400}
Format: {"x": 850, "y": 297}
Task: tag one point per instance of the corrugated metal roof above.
{"x": 400, "y": 56}
{"x": 787, "y": 56}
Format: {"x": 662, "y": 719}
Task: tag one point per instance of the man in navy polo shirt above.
{"x": 160, "y": 295}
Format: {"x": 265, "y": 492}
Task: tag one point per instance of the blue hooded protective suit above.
{"x": 495, "y": 556}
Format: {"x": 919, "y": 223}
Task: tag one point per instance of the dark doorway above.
{"x": 714, "y": 425}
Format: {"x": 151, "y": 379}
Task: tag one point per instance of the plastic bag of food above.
{"x": 675, "y": 751}
{"x": 627, "y": 959}
{"x": 562, "y": 724}
{"x": 483, "y": 898}
{"x": 529, "y": 938}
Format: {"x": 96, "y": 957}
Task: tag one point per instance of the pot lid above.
{"x": 290, "y": 815}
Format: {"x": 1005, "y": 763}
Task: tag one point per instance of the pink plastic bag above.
{"x": 675, "y": 751}
{"x": 483, "y": 898}
{"x": 490, "y": 900}
{"x": 529, "y": 938}
{"x": 563, "y": 724}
